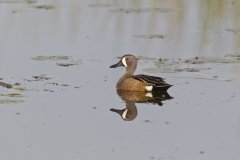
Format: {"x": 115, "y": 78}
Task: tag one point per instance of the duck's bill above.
{"x": 119, "y": 111}
{"x": 119, "y": 64}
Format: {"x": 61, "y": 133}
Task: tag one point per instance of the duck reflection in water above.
{"x": 130, "y": 112}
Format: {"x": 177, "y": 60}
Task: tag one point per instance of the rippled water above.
{"x": 56, "y": 55}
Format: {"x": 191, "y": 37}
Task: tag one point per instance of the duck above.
{"x": 144, "y": 83}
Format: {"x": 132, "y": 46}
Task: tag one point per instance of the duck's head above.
{"x": 127, "y": 61}
{"x": 129, "y": 113}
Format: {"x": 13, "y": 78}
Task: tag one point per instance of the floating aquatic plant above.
{"x": 141, "y": 10}
{"x": 150, "y": 36}
{"x": 10, "y": 101}
{"x": 50, "y": 58}
{"x": 41, "y": 77}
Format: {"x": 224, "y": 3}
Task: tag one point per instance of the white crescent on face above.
{"x": 124, "y": 62}
{"x": 124, "y": 115}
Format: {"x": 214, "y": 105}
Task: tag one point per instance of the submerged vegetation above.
{"x": 44, "y": 6}
{"x": 150, "y": 36}
{"x": 10, "y": 101}
{"x": 195, "y": 64}
{"x": 6, "y": 85}
{"x": 141, "y": 10}
{"x": 161, "y": 65}
{"x": 18, "y": 1}
{"x": 15, "y": 92}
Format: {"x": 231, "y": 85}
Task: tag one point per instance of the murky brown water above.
{"x": 56, "y": 54}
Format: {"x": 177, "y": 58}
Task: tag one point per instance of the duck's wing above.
{"x": 150, "y": 80}
{"x": 157, "y": 82}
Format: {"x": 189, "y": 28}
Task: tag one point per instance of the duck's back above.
{"x": 155, "y": 82}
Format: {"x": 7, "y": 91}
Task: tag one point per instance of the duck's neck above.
{"x": 128, "y": 73}
{"x": 125, "y": 76}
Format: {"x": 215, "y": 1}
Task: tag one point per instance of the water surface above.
{"x": 57, "y": 54}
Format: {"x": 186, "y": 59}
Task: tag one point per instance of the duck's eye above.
{"x": 126, "y": 59}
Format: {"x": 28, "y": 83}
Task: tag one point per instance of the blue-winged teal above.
{"x": 137, "y": 82}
